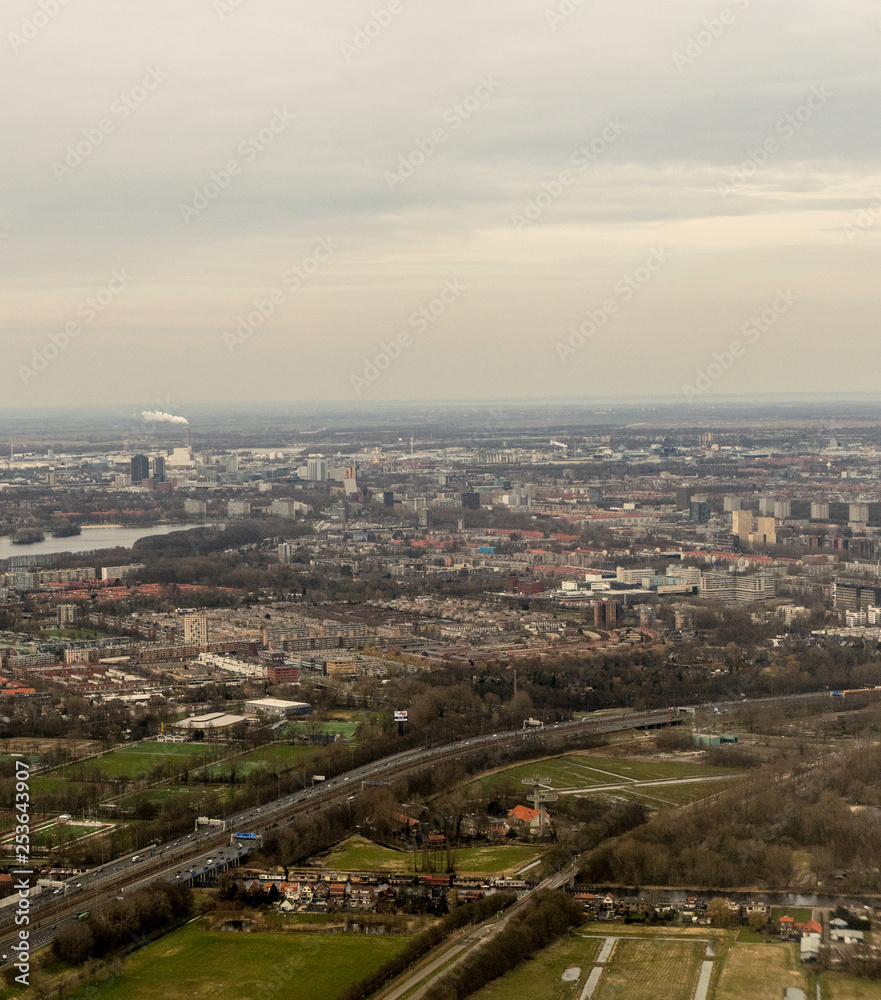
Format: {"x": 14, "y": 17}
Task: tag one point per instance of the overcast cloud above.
{"x": 329, "y": 169}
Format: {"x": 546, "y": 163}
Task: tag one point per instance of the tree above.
{"x": 719, "y": 912}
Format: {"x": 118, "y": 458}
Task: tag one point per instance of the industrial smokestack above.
{"x": 158, "y": 417}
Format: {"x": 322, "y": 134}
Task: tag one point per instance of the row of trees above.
{"x": 545, "y": 918}
{"x": 121, "y": 924}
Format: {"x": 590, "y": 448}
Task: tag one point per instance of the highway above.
{"x": 197, "y": 857}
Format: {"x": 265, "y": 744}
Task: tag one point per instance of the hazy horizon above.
{"x": 386, "y": 202}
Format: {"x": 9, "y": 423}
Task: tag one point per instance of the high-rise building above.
{"x": 742, "y": 524}
{"x": 683, "y": 498}
{"x": 140, "y": 466}
{"x": 65, "y": 614}
{"x": 766, "y": 506}
{"x": 858, "y": 513}
{"x": 819, "y": 511}
{"x": 238, "y": 508}
{"x": 782, "y": 509}
{"x": 159, "y": 468}
{"x": 699, "y": 511}
{"x": 195, "y": 508}
{"x": 731, "y": 504}
{"x": 196, "y": 630}
{"x": 316, "y": 468}
{"x": 766, "y": 531}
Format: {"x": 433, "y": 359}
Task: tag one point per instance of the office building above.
{"x": 316, "y": 468}
{"x": 742, "y": 524}
{"x": 699, "y": 512}
{"x": 140, "y": 468}
{"x": 159, "y": 468}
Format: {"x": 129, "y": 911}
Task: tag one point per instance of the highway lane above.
{"x": 195, "y": 856}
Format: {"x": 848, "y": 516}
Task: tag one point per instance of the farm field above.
{"x": 359, "y": 854}
{"x": 665, "y": 964}
{"x": 838, "y": 987}
{"x": 641, "y": 969}
{"x": 542, "y": 975}
{"x": 652, "y": 970}
{"x": 193, "y": 963}
{"x": 759, "y": 971}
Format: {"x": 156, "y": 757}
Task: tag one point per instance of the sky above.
{"x": 378, "y": 200}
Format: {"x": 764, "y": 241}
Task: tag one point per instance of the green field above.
{"x": 652, "y": 970}
{"x": 636, "y": 970}
{"x": 345, "y": 730}
{"x": 275, "y": 758}
{"x": 137, "y": 760}
{"x": 359, "y": 854}
{"x": 583, "y": 772}
{"x": 800, "y": 914}
{"x": 193, "y": 963}
{"x": 760, "y": 972}
{"x": 838, "y": 987}
{"x": 541, "y": 975}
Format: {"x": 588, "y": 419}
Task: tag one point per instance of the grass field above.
{"x": 652, "y": 970}
{"x": 800, "y": 914}
{"x": 192, "y": 964}
{"x": 345, "y": 730}
{"x": 759, "y": 971}
{"x": 139, "y": 759}
{"x": 585, "y": 772}
{"x": 541, "y": 976}
{"x": 836, "y": 987}
{"x": 279, "y": 757}
{"x": 359, "y": 854}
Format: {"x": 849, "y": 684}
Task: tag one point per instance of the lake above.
{"x": 98, "y": 537}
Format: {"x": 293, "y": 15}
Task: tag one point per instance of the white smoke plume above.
{"x": 157, "y": 416}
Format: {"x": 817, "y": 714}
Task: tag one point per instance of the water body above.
{"x": 103, "y": 536}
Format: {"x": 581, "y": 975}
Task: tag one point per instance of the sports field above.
{"x": 360, "y": 854}
{"x": 192, "y": 964}
{"x": 136, "y": 760}
{"x": 276, "y": 758}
